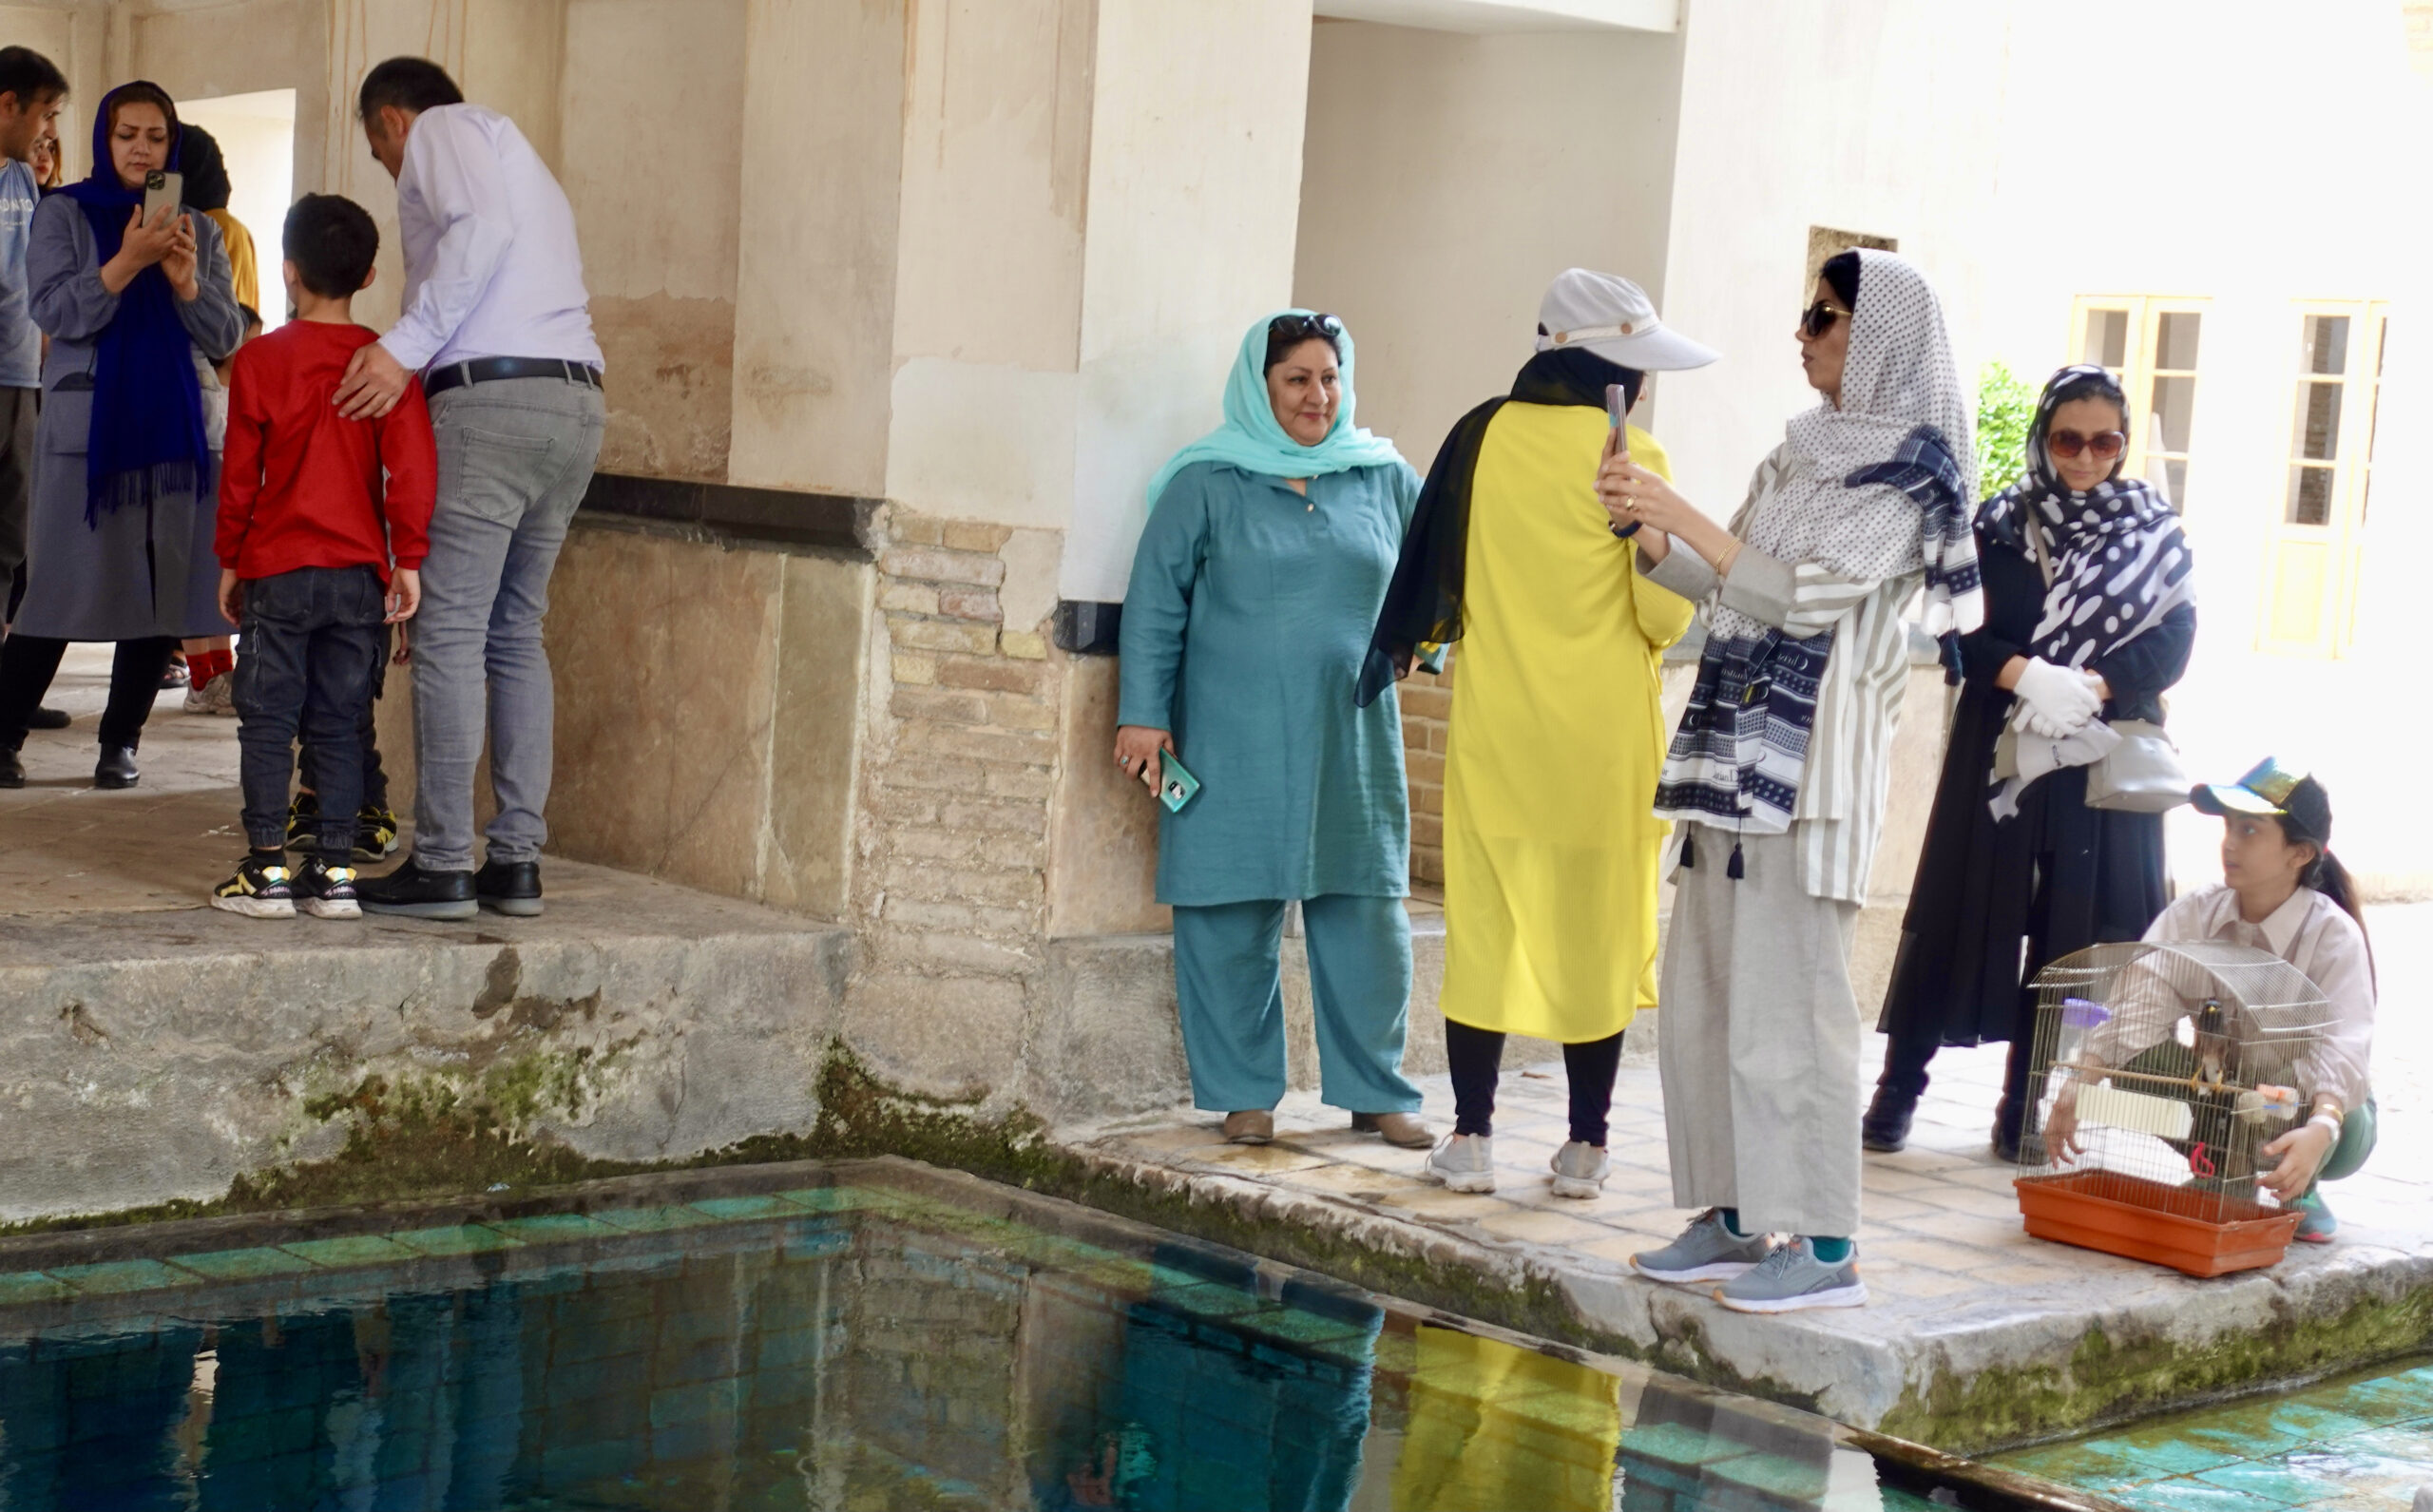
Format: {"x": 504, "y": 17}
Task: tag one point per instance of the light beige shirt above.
{"x": 2310, "y": 932}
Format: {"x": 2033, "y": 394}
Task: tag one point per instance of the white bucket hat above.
{"x": 1614, "y": 318}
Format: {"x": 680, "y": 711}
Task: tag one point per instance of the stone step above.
{"x": 163, "y": 1056}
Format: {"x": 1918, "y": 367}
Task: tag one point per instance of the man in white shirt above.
{"x": 497, "y": 322}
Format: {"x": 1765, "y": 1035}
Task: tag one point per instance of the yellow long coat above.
{"x": 1557, "y": 736}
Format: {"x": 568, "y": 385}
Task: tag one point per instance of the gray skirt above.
{"x": 135, "y": 573}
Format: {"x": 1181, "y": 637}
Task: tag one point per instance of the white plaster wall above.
{"x": 988, "y": 277}
{"x": 823, "y": 136}
{"x": 657, "y": 207}
{"x": 1877, "y": 116}
{"x": 2247, "y": 152}
{"x": 1447, "y": 178}
{"x": 71, "y": 40}
{"x": 1194, "y": 182}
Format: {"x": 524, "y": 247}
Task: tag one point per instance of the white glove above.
{"x": 2056, "y": 701}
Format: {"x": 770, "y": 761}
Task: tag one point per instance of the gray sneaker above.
{"x": 1705, "y": 1252}
{"x": 1465, "y": 1162}
{"x": 1793, "y": 1279}
{"x": 1580, "y": 1170}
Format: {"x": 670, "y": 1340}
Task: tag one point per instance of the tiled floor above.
{"x": 2361, "y": 1444}
{"x": 1956, "y": 1284}
{"x": 1940, "y": 1233}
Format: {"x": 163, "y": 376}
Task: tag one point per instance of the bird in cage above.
{"x": 2161, "y": 1072}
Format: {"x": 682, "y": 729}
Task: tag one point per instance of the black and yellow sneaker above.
{"x": 326, "y": 892}
{"x": 259, "y": 889}
{"x": 304, "y": 821}
{"x": 375, "y": 832}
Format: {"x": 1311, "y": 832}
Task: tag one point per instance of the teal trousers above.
{"x": 1229, "y": 979}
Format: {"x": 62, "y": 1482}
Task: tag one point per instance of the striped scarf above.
{"x": 1880, "y": 489}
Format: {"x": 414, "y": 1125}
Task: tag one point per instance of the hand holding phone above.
{"x": 1618, "y": 443}
{"x": 163, "y": 191}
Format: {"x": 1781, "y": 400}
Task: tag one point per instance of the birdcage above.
{"x": 2159, "y": 1073}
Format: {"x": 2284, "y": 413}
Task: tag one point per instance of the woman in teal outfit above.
{"x": 1256, "y": 584}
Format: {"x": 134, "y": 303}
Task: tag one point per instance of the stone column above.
{"x": 1095, "y": 198}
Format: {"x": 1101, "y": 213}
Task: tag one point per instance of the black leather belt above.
{"x": 489, "y": 370}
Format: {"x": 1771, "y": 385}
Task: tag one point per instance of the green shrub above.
{"x": 2006, "y": 407}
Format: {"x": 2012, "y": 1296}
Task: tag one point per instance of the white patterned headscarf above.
{"x": 1887, "y": 480}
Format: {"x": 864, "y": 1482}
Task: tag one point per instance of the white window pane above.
{"x": 2175, "y": 340}
{"x": 2174, "y": 405}
{"x": 2317, "y": 430}
{"x": 2323, "y": 344}
{"x": 2106, "y": 342}
{"x": 2310, "y": 495}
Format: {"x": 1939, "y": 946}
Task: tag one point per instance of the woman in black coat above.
{"x": 2089, "y": 613}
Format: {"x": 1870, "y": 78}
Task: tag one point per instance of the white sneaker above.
{"x": 1465, "y": 1162}
{"x": 1580, "y": 1170}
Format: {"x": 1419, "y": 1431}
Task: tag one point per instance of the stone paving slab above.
{"x": 1976, "y": 1334}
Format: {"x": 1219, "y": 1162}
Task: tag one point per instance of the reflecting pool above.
{"x": 2362, "y": 1442}
{"x": 875, "y": 1336}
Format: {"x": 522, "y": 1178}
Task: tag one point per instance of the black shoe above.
{"x": 2006, "y": 1144}
{"x": 12, "y": 769}
{"x": 420, "y": 894}
{"x": 116, "y": 769}
{"x": 304, "y": 821}
{"x": 375, "y": 832}
{"x": 326, "y": 892}
{"x": 513, "y": 887}
{"x": 1886, "y": 1128}
{"x": 48, "y": 719}
{"x": 260, "y": 888}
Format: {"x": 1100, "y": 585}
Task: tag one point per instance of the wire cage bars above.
{"x": 2159, "y": 1073}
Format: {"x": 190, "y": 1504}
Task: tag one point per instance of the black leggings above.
{"x": 1476, "y": 1057}
{"x": 29, "y": 662}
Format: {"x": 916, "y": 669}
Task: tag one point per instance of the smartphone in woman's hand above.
{"x": 1617, "y": 444}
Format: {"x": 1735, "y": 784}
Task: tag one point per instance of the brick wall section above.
{"x": 1428, "y": 712}
{"x": 953, "y": 837}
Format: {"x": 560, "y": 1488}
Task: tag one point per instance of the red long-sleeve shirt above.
{"x": 300, "y": 485}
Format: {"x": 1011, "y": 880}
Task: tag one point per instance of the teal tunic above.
{"x": 1244, "y": 628}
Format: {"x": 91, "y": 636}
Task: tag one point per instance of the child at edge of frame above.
{"x": 323, "y": 532}
{"x": 2282, "y": 890}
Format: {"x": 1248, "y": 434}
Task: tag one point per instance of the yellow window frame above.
{"x": 2138, "y": 370}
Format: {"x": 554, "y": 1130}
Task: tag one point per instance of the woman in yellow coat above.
{"x": 1558, "y": 733}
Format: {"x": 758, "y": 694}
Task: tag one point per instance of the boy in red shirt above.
{"x": 307, "y": 533}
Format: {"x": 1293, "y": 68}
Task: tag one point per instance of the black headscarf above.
{"x": 207, "y": 170}
{"x": 1423, "y": 601}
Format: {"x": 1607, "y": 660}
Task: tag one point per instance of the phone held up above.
{"x": 1166, "y": 777}
{"x": 163, "y": 189}
{"x": 1618, "y": 414}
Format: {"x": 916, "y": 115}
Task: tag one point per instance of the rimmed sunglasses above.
{"x": 2106, "y": 445}
{"x": 1819, "y": 317}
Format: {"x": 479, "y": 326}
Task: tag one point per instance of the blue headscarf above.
{"x": 1251, "y": 439}
{"x": 148, "y": 439}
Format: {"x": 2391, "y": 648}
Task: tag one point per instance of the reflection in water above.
{"x": 870, "y": 1350}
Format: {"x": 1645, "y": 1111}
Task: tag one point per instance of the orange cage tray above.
{"x": 2154, "y": 1221}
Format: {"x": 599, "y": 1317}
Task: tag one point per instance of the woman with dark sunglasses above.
{"x": 2089, "y": 614}
{"x": 1779, "y": 771}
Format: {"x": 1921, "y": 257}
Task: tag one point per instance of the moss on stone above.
{"x": 478, "y": 1130}
{"x": 2112, "y": 1379}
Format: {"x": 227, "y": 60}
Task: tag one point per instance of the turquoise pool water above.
{"x": 2361, "y": 1443}
{"x": 876, "y": 1342}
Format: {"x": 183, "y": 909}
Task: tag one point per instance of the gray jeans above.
{"x": 515, "y": 457}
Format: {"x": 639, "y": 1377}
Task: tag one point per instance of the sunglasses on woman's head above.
{"x": 2106, "y": 445}
{"x": 1819, "y": 317}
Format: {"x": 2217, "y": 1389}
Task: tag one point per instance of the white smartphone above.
{"x": 163, "y": 189}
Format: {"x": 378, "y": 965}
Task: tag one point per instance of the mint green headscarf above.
{"x": 1251, "y": 440}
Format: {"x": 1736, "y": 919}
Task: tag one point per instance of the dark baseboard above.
{"x": 1087, "y": 629}
{"x": 724, "y": 513}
